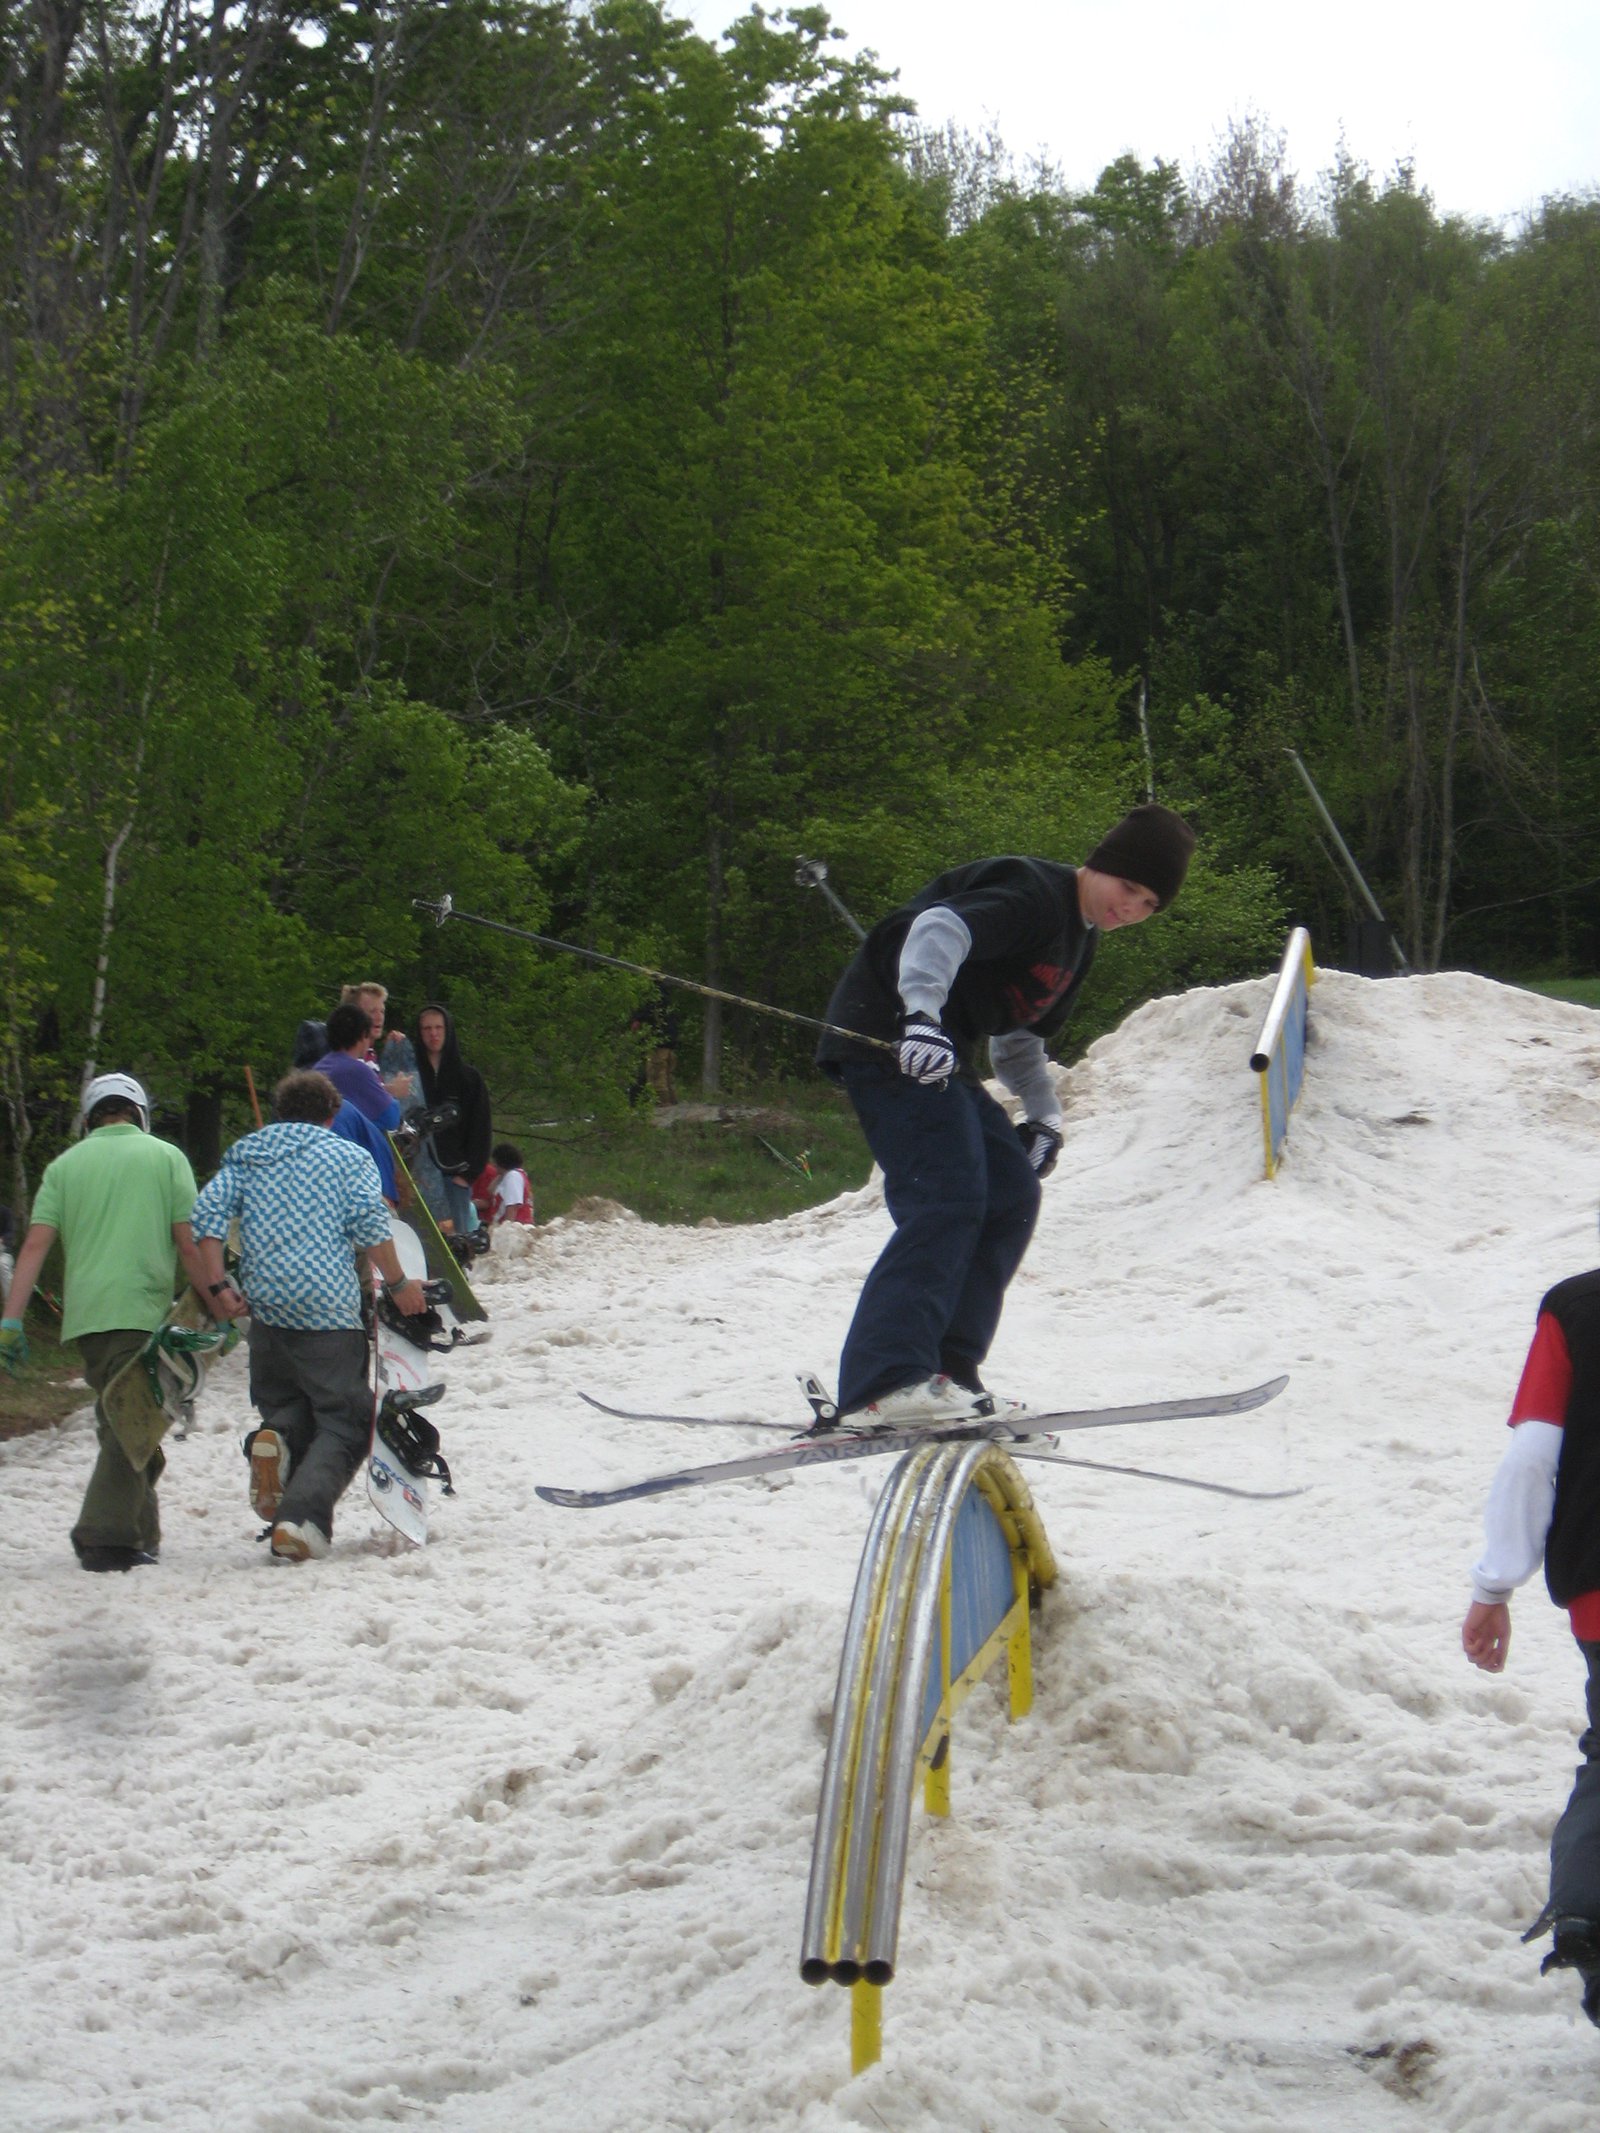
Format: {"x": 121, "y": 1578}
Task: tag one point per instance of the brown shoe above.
{"x": 299, "y": 1544}
{"x": 269, "y": 1472}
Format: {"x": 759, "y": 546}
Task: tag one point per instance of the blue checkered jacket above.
{"x": 305, "y": 1201}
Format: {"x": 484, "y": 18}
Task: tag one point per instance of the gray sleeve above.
{"x": 1020, "y": 1060}
{"x": 934, "y": 949}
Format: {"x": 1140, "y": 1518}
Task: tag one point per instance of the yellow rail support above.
{"x": 866, "y": 2025}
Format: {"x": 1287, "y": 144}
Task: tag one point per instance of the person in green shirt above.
{"x": 120, "y": 1202}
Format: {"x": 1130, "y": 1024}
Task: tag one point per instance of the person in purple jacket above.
{"x": 368, "y": 1114}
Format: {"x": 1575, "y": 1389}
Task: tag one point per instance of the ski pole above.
{"x": 443, "y": 907}
{"x": 813, "y": 874}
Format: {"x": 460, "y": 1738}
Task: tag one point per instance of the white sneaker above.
{"x": 269, "y": 1472}
{"x": 937, "y": 1400}
{"x": 299, "y": 1544}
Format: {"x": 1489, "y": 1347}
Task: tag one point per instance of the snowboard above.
{"x": 405, "y": 1379}
{"x": 157, "y": 1388}
{"x": 441, "y": 1263}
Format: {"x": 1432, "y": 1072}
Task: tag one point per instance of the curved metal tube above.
{"x": 872, "y": 1778}
{"x": 864, "y": 1813}
{"x": 880, "y": 1928}
{"x": 827, "y": 1844}
{"x": 1294, "y": 956}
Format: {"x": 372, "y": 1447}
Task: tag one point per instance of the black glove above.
{"x": 925, "y": 1052}
{"x": 1040, "y": 1144}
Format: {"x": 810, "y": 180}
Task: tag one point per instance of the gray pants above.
{"x": 312, "y": 1389}
{"x": 119, "y": 1506}
{"x": 1575, "y": 1846}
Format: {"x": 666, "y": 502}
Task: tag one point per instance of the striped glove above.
{"x": 1040, "y": 1144}
{"x": 925, "y": 1052}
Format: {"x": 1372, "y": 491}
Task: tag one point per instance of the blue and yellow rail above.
{"x": 1280, "y": 1053}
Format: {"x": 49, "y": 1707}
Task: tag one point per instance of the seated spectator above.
{"x": 513, "y": 1194}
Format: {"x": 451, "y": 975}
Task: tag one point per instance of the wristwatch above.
{"x": 217, "y": 1287}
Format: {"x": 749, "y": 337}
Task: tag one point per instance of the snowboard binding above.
{"x": 413, "y": 1440}
{"x": 426, "y": 1329}
{"x": 417, "y": 1125}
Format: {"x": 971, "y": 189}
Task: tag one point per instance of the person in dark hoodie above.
{"x": 460, "y": 1150}
{"x": 996, "y": 954}
{"x": 306, "y": 1202}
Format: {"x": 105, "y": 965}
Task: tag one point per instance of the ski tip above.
{"x": 1259, "y": 1395}
{"x": 569, "y": 1499}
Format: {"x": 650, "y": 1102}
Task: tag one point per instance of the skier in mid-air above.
{"x": 1544, "y": 1505}
{"x": 996, "y": 950}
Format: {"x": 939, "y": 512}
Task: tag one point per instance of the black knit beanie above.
{"x": 1151, "y": 846}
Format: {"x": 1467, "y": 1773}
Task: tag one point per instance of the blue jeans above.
{"x": 964, "y": 1200}
{"x": 447, "y": 1199}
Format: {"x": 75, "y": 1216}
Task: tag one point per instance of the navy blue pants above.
{"x": 964, "y": 1200}
{"x": 1575, "y": 1846}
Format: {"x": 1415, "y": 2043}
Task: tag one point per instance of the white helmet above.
{"x": 122, "y": 1085}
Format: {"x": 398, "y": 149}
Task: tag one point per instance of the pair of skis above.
{"x": 831, "y": 1447}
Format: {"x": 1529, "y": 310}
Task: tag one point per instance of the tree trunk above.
{"x": 711, "y": 1050}
{"x": 15, "y": 1097}
{"x": 202, "y": 1127}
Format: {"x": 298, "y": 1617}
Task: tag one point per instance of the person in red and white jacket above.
{"x": 1544, "y": 1504}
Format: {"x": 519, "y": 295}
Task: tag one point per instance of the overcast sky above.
{"x": 1496, "y": 106}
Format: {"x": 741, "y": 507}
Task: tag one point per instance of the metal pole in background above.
{"x": 443, "y": 907}
{"x": 1348, "y": 858}
{"x": 1144, "y": 736}
{"x": 813, "y": 874}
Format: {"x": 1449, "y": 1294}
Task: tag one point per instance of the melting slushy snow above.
{"x": 511, "y": 1836}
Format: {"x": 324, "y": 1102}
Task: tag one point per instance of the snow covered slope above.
{"x": 512, "y": 1836}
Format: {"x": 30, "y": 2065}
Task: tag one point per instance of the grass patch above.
{"x": 39, "y": 1396}
{"x": 677, "y": 1167}
{"x": 1582, "y": 992}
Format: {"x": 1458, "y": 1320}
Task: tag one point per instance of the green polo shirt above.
{"x": 113, "y": 1199}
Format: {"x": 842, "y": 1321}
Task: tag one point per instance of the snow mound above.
{"x": 511, "y": 1836}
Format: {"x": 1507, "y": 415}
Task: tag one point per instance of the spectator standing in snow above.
{"x": 462, "y": 1149}
{"x": 306, "y": 1202}
{"x": 1544, "y": 1505}
{"x": 997, "y": 951}
{"x": 120, "y": 1201}
{"x": 368, "y": 1114}
{"x": 391, "y": 1048}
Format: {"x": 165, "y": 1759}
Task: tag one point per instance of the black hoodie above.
{"x": 461, "y": 1150}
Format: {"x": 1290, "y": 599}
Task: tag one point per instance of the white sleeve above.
{"x": 1020, "y": 1060}
{"x": 1516, "y": 1518}
{"x": 934, "y": 949}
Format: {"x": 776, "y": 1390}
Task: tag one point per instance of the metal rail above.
{"x": 891, "y": 1711}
